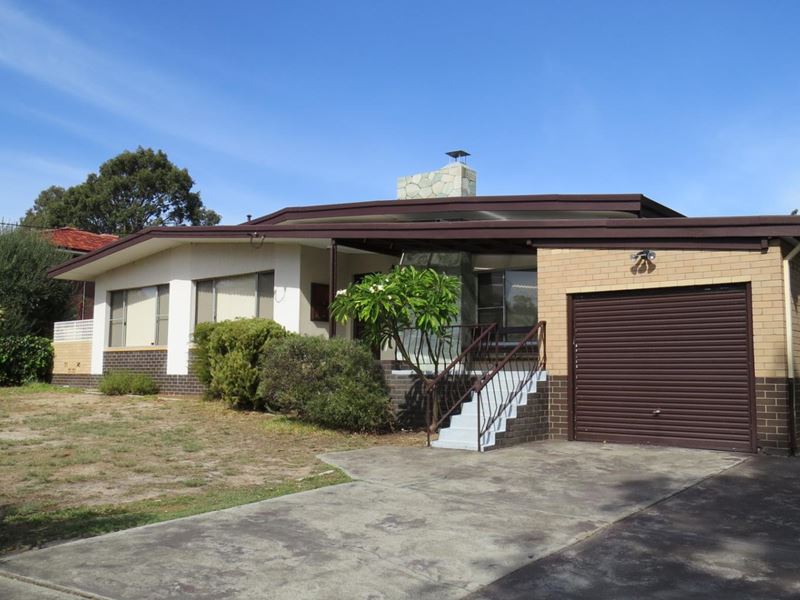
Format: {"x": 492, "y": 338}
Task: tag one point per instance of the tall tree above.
{"x": 132, "y": 191}
{"x": 30, "y": 301}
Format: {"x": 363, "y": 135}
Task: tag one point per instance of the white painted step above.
{"x": 462, "y": 433}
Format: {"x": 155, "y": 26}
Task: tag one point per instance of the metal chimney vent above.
{"x": 458, "y": 155}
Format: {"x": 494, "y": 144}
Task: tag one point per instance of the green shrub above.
{"x": 227, "y": 355}
{"x": 127, "y": 382}
{"x": 334, "y": 383}
{"x": 25, "y": 358}
{"x": 353, "y": 406}
{"x": 200, "y": 364}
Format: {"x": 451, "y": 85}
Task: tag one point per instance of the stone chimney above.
{"x": 454, "y": 179}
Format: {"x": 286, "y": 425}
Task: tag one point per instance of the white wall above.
{"x": 287, "y": 287}
{"x": 315, "y": 269}
{"x": 350, "y": 265}
{"x": 179, "y": 268}
{"x": 295, "y": 267}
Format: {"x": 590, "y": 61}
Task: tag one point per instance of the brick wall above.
{"x": 150, "y": 361}
{"x": 72, "y": 357}
{"x": 75, "y": 380}
{"x": 570, "y": 271}
{"x": 406, "y": 396}
{"x": 154, "y": 363}
{"x": 772, "y": 413}
{"x": 532, "y": 423}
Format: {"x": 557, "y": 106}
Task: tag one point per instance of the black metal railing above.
{"x": 512, "y": 376}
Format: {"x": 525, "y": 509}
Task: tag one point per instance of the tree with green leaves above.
{"x": 132, "y": 191}
{"x": 405, "y": 298}
{"x": 30, "y": 301}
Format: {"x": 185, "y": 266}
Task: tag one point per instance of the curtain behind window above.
{"x": 236, "y": 297}
{"x": 140, "y": 326}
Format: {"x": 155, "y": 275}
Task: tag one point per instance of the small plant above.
{"x": 227, "y": 355}
{"x": 125, "y": 382}
{"x": 24, "y": 359}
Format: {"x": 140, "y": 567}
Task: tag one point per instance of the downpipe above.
{"x": 788, "y": 318}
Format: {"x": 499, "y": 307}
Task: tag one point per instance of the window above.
{"x": 240, "y": 296}
{"x": 162, "y": 315}
{"x": 139, "y": 317}
{"x": 320, "y": 301}
{"x": 508, "y": 298}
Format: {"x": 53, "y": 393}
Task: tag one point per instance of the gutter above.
{"x": 787, "y": 306}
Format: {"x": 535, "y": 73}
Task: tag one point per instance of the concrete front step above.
{"x": 462, "y": 433}
{"x": 454, "y": 445}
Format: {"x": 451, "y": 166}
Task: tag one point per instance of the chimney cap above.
{"x": 458, "y": 154}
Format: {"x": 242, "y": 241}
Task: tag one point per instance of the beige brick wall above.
{"x": 567, "y": 271}
{"x": 72, "y": 357}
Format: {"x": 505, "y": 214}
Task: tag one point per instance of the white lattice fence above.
{"x": 72, "y": 331}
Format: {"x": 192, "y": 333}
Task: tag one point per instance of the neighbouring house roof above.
{"x": 77, "y": 240}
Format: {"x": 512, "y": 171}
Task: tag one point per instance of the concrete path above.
{"x": 735, "y": 536}
{"x": 418, "y": 523}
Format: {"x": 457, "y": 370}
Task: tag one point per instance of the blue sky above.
{"x": 269, "y": 104}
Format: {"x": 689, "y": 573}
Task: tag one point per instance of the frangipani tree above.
{"x": 406, "y": 297}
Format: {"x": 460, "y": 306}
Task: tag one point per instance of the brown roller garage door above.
{"x": 668, "y": 367}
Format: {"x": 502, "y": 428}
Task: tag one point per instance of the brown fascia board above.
{"x": 636, "y": 204}
{"x": 701, "y": 231}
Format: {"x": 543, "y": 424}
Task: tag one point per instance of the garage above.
{"x": 667, "y": 366}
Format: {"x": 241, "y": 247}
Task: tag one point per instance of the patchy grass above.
{"x": 39, "y": 388}
{"x": 74, "y": 465}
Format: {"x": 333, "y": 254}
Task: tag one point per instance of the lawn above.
{"x": 75, "y": 464}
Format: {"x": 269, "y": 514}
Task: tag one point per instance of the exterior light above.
{"x": 646, "y": 255}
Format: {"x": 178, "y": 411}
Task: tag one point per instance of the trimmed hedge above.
{"x": 119, "y": 383}
{"x": 227, "y": 357}
{"x": 335, "y": 383}
{"x": 25, "y": 358}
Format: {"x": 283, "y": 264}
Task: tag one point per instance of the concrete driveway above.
{"x": 417, "y": 523}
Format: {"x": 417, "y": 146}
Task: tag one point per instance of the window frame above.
{"x": 158, "y": 318}
{"x": 320, "y": 312}
{"x": 504, "y": 307}
{"x": 257, "y": 275}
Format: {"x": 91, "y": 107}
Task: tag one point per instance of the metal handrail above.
{"x": 541, "y": 325}
{"x": 432, "y": 403}
{"x": 539, "y": 331}
{"x": 455, "y": 384}
{"x": 467, "y": 351}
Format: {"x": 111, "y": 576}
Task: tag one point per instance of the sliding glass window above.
{"x": 508, "y": 298}
{"x": 240, "y": 296}
{"x": 139, "y": 317}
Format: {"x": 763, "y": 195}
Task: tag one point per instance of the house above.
{"x": 660, "y": 328}
{"x": 76, "y": 242}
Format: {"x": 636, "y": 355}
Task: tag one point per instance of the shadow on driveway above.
{"x": 734, "y": 536}
{"x": 417, "y": 523}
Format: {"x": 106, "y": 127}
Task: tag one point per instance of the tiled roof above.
{"x": 79, "y": 240}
